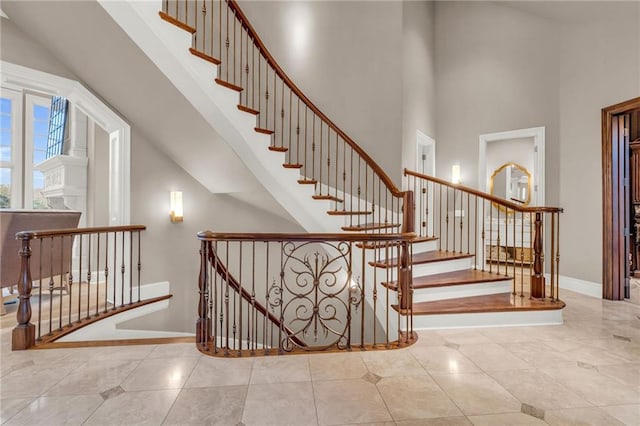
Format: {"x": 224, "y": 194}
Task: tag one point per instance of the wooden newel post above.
{"x": 408, "y": 225}
{"x": 537, "y": 280}
{"x": 24, "y": 334}
{"x": 202, "y": 325}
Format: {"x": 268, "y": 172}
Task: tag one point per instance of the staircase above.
{"x": 210, "y": 51}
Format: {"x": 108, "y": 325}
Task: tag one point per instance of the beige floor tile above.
{"x": 442, "y": 421}
{"x": 33, "y": 381}
{"x": 214, "y": 371}
{"x": 415, "y": 398}
{"x": 593, "y": 356}
{"x": 509, "y": 419}
{"x": 11, "y": 406}
{"x": 536, "y": 388}
{"x": 463, "y": 337}
{"x": 628, "y": 374}
{"x": 580, "y": 417}
{"x": 137, "y": 352}
{"x": 399, "y": 362}
{"x": 477, "y": 393}
{"x": 176, "y": 350}
{"x": 627, "y": 414}
{"x": 211, "y": 406}
{"x": 493, "y": 357}
{"x": 57, "y": 410}
{"x": 94, "y": 378}
{"x": 337, "y": 366}
{"x": 443, "y": 360}
{"x": 537, "y": 354}
{"x": 153, "y": 374}
{"x": 280, "y": 404}
{"x": 349, "y": 401}
{"x": 280, "y": 369}
{"x": 135, "y": 408}
{"x": 506, "y": 334}
{"x": 593, "y": 386}
{"x": 429, "y": 338}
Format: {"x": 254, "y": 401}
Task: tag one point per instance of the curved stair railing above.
{"x": 327, "y": 158}
{"x": 505, "y": 237}
{"x": 70, "y": 278}
{"x": 307, "y": 282}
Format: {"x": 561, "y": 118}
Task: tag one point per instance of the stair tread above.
{"x": 308, "y": 182}
{"x": 416, "y": 240}
{"x": 327, "y": 197}
{"x": 370, "y": 226}
{"x": 425, "y": 257}
{"x": 467, "y": 276}
{"x": 503, "y": 302}
{"x": 204, "y": 56}
{"x": 347, "y": 213}
{"x": 292, "y": 166}
{"x": 247, "y": 109}
{"x": 265, "y": 131}
{"x": 278, "y": 148}
{"x": 229, "y": 85}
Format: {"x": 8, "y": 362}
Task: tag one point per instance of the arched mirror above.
{"x": 512, "y": 182}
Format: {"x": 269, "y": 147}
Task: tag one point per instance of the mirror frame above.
{"x": 522, "y": 169}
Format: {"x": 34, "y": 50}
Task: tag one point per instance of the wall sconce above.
{"x": 455, "y": 173}
{"x": 176, "y": 207}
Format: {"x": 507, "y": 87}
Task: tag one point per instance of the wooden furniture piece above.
{"x": 634, "y": 170}
{"x": 58, "y": 258}
{"x": 510, "y": 248}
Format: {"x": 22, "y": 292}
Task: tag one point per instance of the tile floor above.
{"x": 586, "y": 371}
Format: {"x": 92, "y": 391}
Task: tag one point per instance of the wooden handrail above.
{"x": 501, "y": 201}
{"x": 285, "y": 78}
{"x": 76, "y": 231}
{"x": 348, "y": 237}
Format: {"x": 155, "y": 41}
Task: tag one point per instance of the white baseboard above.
{"x": 587, "y": 288}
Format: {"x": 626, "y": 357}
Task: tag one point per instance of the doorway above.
{"x": 620, "y": 198}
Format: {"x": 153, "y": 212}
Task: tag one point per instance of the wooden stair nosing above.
{"x": 446, "y": 279}
{"x": 264, "y": 131}
{"x": 503, "y": 302}
{"x": 292, "y": 166}
{"x": 327, "y": 197}
{"x": 247, "y": 109}
{"x": 422, "y": 258}
{"x": 201, "y": 55}
{"x": 347, "y": 213}
{"x": 170, "y": 19}
{"x": 371, "y": 246}
{"x": 228, "y": 85}
{"x": 278, "y": 148}
{"x": 370, "y": 227}
{"x": 308, "y": 182}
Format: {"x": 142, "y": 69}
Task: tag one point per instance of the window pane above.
{"x": 5, "y": 121}
{"x": 40, "y": 127}
{"x": 39, "y": 156}
{"x": 5, "y": 153}
{"x": 39, "y": 202}
{"x": 5, "y": 105}
{"x": 5, "y": 187}
{"x": 40, "y": 142}
{"x": 41, "y": 112}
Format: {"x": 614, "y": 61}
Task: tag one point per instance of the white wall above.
{"x": 503, "y": 66}
{"x": 599, "y": 66}
{"x": 347, "y": 58}
{"x": 418, "y": 73}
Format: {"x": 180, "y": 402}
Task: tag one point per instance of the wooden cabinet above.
{"x": 508, "y": 240}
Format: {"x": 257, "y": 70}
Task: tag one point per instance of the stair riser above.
{"x": 425, "y": 246}
{"x": 493, "y": 319}
{"x": 466, "y": 290}
{"x": 441, "y": 267}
